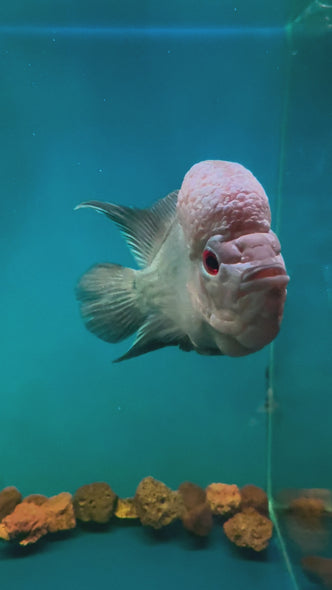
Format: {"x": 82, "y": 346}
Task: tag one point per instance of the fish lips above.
{"x": 264, "y": 277}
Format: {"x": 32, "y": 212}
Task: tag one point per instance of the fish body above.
{"x": 211, "y": 276}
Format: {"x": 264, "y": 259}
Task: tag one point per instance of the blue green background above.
{"x": 115, "y": 101}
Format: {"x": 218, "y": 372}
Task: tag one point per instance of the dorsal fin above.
{"x": 144, "y": 229}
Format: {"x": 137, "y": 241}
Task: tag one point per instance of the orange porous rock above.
{"x": 59, "y": 512}
{"x": 9, "y": 498}
{"x": 249, "y": 529}
{"x": 26, "y": 524}
{"x": 156, "y": 504}
{"x": 223, "y": 498}
{"x": 254, "y": 497}
{"x": 126, "y": 508}
{"x": 197, "y": 515}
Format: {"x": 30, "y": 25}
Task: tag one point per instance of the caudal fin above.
{"x": 109, "y": 303}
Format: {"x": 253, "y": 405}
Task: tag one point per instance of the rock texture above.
{"x": 197, "y": 515}
{"x": 31, "y": 520}
{"x": 37, "y": 499}
{"x": 59, "y": 512}
{"x": 254, "y": 497}
{"x": 9, "y": 498}
{"x": 26, "y": 524}
{"x": 249, "y": 529}
{"x": 125, "y": 508}
{"x": 224, "y": 499}
{"x": 94, "y": 502}
{"x": 156, "y": 504}
{"x": 307, "y": 509}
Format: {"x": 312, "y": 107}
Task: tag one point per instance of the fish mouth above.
{"x": 264, "y": 277}
{"x": 263, "y": 272}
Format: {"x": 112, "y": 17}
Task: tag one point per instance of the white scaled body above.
{"x": 212, "y": 278}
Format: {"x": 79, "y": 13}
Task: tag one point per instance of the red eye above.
{"x": 210, "y": 262}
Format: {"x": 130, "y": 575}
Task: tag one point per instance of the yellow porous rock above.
{"x": 126, "y": 508}
{"x": 4, "y": 533}
{"x": 156, "y": 504}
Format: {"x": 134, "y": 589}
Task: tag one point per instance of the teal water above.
{"x": 302, "y": 449}
{"x": 123, "y": 558}
{"x": 121, "y": 116}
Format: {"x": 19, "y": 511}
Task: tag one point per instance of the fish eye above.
{"x": 210, "y": 261}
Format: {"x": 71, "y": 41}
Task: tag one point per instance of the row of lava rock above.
{"x": 243, "y": 512}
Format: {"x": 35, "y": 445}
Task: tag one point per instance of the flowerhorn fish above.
{"x": 211, "y": 275}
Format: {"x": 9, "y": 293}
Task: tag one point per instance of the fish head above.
{"x": 242, "y": 285}
{"x": 239, "y": 278}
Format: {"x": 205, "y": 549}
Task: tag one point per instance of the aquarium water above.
{"x": 115, "y": 101}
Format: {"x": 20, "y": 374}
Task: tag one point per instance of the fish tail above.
{"x": 109, "y": 302}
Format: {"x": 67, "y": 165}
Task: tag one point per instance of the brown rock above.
{"x": 307, "y": 508}
{"x": 322, "y": 494}
{"x": 319, "y": 569}
{"x": 307, "y": 523}
{"x": 311, "y": 536}
{"x": 254, "y": 497}
{"x": 197, "y": 515}
{"x": 223, "y": 498}
{"x": 287, "y": 496}
{"x": 37, "y": 499}
{"x": 249, "y": 529}
{"x": 125, "y": 508}
{"x": 26, "y": 524}
{"x": 192, "y": 495}
{"x": 9, "y": 498}
{"x": 94, "y": 502}
{"x": 59, "y": 512}
{"x": 156, "y": 504}
{"x": 198, "y": 520}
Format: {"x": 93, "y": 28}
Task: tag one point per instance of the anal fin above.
{"x": 156, "y": 332}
